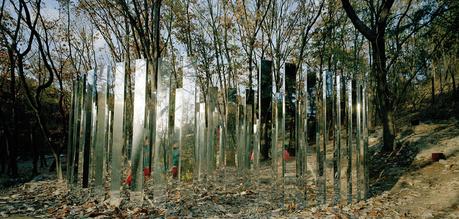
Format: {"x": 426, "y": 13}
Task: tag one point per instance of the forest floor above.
{"x": 403, "y": 184}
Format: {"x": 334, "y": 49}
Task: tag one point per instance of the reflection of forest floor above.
{"x": 403, "y": 184}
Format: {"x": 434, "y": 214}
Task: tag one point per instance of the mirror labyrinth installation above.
{"x": 303, "y": 134}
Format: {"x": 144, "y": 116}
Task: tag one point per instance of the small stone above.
{"x": 10, "y": 208}
{"x": 221, "y": 208}
{"x": 276, "y": 212}
{"x": 427, "y": 214}
{"x": 3, "y": 214}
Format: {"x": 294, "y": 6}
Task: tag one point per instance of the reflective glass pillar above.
{"x": 71, "y": 133}
{"x": 337, "y": 143}
{"x": 302, "y": 130}
{"x": 78, "y": 157}
{"x": 366, "y": 186}
{"x": 278, "y": 155}
{"x": 349, "y": 154}
{"x": 177, "y": 145}
{"x": 101, "y": 131}
{"x": 358, "y": 140}
{"x": 232, "y": 121}
{"x": 201, "y": 146}
{"x": 188, "y": 132}
{"x": 266, "y": 114}
{"x": 88, "y": 127}
{"x": 241, "y": 130}
{"x": 138, "y": 131}
{"x": 321, "y": 136}
{"x": 118, "y": 133}
{"x": 248, "y": 127}
{"x": 162, "y": 143}
{"x": 78, "y": 160}
{"x": 211, "y": 129}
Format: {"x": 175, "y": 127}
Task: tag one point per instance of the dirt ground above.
{"x": 404, "y": 184}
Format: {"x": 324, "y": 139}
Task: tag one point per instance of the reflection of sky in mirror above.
{"x": 90, "y": 77}
{"x": 79, "y": 21}
{"x": 189, "y": 90}
{"x": 241, "y": 90}
{"x": 139, "y": 101}
{"x": 118, "y": 89}
{"x": 101, "y": 78}
{"x": 178, "y": 108}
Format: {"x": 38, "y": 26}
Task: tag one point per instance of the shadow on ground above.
{"x": 387, "y": 168}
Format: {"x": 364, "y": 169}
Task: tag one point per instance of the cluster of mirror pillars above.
{"x": 304, "y": 134}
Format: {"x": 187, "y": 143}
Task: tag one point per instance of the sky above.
{"x": 50, "y": 11}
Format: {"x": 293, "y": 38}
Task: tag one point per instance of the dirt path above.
{"x": 431, "y": 189}
{"x": 421, "y": 188}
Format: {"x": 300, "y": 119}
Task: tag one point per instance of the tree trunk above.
{"x": 388, "y": 129}
{"x": 376, "y": 36}
{"x": 386, "y": 107}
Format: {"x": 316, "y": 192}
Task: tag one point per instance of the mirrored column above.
{"x": 138, "y": 131}
{"x": 101, "y": 130}
{"x": 162, "y": 143}
{"x": 118, "y": 133}
{"x": 231, "y": 138}
{"x": 248, "y": 127}
{"x": 278, "y": 150}
{"x": 71, "y": 133}
{"x": 241, "y": 134}
{"x": 211, "y": 129}
{"x": 77, "y": 141}
{"x": 201, "y": 146}
{"x": 321, "y": 136}
{"x": 349, "y": 145}
{"x": 79, "y": 159}
{"x": 337, "y": 145}
{"x": 177, "y": 144}
{"x": 358, "y": 139}
{"x": 89, "y": 127}
{"x": 300, "y": 129}
{"x": 188, "y": 125}
{"x": 365, "y": 157}
{"x": 266, "y": 108}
